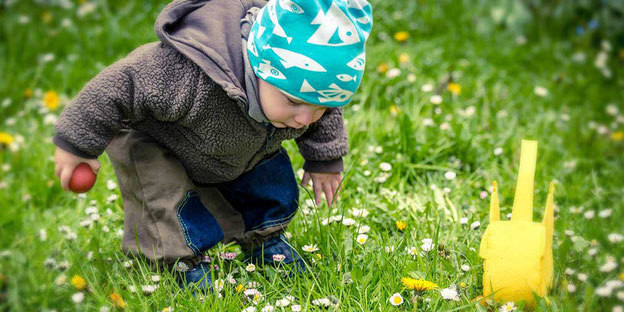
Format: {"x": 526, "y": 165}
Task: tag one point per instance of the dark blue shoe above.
{"x": 275, "y": 251}
{"x": 198, "y": 278}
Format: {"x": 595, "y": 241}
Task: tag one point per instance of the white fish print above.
{"x": 290, "y": 59}
{"x": 363, "y": 20}
{"x": 265, "y": 70}
{"x": 358, "y": 62}
{"x": 334, "y": 94}
{"x": 277, "y": 29}
{"x": 346, "y": 78}
{"x": 291, "y": 6}
{"x": 259, "y": 21}
{"x": 356, "y": 4}
{"x": 251, "y": 44}
{"x": 330, "y": 22}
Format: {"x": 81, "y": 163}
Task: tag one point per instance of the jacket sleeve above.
{"x": 128, "y": 91}
{"x": 325, "y": 143}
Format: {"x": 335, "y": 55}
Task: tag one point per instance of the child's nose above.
{"x": 305, "y": 118}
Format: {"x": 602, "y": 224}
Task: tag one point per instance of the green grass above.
{"x": 457, "y": 39}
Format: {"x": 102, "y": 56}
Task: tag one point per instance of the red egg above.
{"x": 82, "y": 178}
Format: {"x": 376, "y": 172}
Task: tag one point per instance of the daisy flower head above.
{"x": 509, "y": 306}
{"x": 250, "y": 267}
{"x": 396, "y": 299}
{"x": 449, "y": 294}
{"x": 361, "y": 239}
{"x": 310, "y": 248}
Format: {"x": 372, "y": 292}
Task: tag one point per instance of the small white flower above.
{"x": 268, "y": 308}
{"x": 77, "y": 297}
{"x": 571, "y": 288}
{"x": 389, "y": 249}
{"x": 605, "y": 213}
{"x": 589, "y": 214}
{"x": 111, "y": 185}
{"x": 475, "y": 225}
{"x": 465, "y": 268}
{"x": 321, "y": 302}
{"x": 498, "y": 151}
{"x": 449, "y": 294}
{"x": 310, "y": 248}
{"x": 295, "y": 308}
{"x": 618, "y": 309}
{"x": 361, "y": 239}
{"x": 609, "y": 266}
{"x": 445, "y": 126}
{"x": 348, "y": 222}
{"x": 615, "y": 284}
{"x": 249, "y": 309}
{"x": 359, "y": 213}
{"x": 509, "y": 306}
{"x": 282, "y": 302}
{"x": 540, "y": 91}
{"x": 128, "y": 264}
{"x": 384, "y": 166}
{"x": 148, "y": 289}
{"x": 450, "y": 175}
{"x": 250, "y": 267}
{"x": 363, "y": 229}
{"x": 427, "y": 244}
{"x": 378, "y": 149}
{"x": 411, "y": 250}
{"x": 23, "y": 19}
{"x": 612, "y": 109}
{"x": 392, "y": 73}
{"x": 569, "y": 271}
{"x": 428, "y": 122}
{"x": 435, "y": 99}
{"x": 155, "y": 278}
{"x": 604, "y": 291}
{"x": 427, "y": 87}
{"x": 620, "y": 295}
{"x": 396, "y": 299}
{"x": 463, "y": 221}
{"x": 279, "y": 257}
{"x": 568, "y": 233}
{"x": 592, "y": 252}
{"x": 104, "y": 309}
{"x": 581, "y": 277}
{"x": 615, "y": 237}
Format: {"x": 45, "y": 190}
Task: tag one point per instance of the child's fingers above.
{"x": 65, "y": 176}
{"x": 317, "y": 192}
{"x": 305, "y": 179}
{"x": 329, "y": 195}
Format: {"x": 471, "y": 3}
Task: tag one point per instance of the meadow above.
{"x": 451, "y": 89}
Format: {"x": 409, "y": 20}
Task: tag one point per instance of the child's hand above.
{"x": 66, "y": 162}
{"x": 323, "y": 182}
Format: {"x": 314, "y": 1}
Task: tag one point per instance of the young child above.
{"x": 193, "y": 124}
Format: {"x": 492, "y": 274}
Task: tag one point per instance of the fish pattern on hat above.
{"x": 313, "y": 50}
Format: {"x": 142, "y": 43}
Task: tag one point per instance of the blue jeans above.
{"x": 266, "y": 197}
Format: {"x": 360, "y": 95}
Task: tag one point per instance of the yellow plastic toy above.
{"x": 517, "y": 254}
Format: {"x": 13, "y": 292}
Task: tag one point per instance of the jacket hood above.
{"x": 208, "y": 32}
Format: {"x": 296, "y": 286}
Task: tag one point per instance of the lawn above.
{"x": 451, "y": 89}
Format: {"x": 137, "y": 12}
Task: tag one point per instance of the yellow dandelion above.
{"x": 455, "y": 88}
{"x": 117, "y": 300}
{"x": 401, "y": 36}
{"x": 319, "y": 256}
{"x": 51, "y": 100}
{"x": 78, "y": 282}
{"x": 394, "y": 110}
{"x": 28, "y": 93}
{"x": 462, "y": 285}
{"x": 382, "y": 68}
{"x": 239, "y": 288}
{"x": 622, "y": 276}
{"x": 617, "y": 136}
{"x": 401, "y": 225}
{"x": 418, "y": 284}
{"x": 403, "y": 58}
{"x": 6, "y": 139}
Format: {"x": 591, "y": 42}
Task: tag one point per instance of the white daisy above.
{"x": 310, "y": 248}
{"x": 450, "y": 175}
{"x": 279, "y": 257}
{"x": 509, "y": 306}
{"x": 396, "y": 299}
{"x": 427, "y": 244}
{"x": 385, "y": 166}
{"x": 363, "y": 229}
{"x": 361, "y": 239}
{"x": 449, "y": 294}
{"x": 615, "y": 237}
{"x": 435, "y": 99}
{"x": 609, "y": 266}
{"x": 77, "y": 297}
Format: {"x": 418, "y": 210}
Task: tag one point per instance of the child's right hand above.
{"x": 66, "y": 162}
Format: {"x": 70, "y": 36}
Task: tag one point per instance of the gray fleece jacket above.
{"x": 193, "y": 92}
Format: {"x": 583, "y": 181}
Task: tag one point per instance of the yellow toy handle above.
{"x": 523, "y": 201}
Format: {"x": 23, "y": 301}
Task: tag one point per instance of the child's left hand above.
{"x": 323, "y": 182}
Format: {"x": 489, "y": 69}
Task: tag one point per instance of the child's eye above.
{"x": 293, "y": 103}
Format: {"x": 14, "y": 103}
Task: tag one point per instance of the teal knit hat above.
{"x": 313, "y": 50}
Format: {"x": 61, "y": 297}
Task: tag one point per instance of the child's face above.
{"x": 283, "y": 111}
